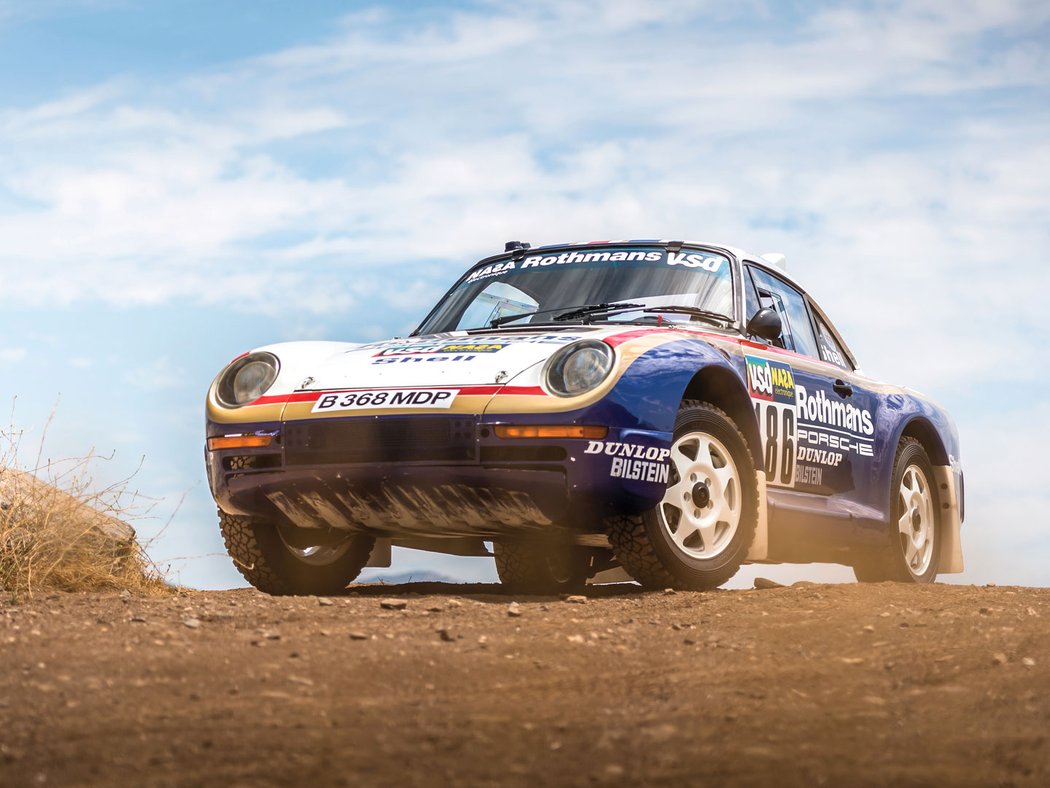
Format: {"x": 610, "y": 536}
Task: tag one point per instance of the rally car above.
{"x": 667, "y": 409}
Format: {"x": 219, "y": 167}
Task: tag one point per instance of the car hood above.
{"x": 457, "y": 359}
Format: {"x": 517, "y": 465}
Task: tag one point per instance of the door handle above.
{"x": 843, "y": 389}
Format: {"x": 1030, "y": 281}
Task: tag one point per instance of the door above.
{"x": 816, "y": 421}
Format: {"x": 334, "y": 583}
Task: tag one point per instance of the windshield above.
{"x": 537, "y": 287}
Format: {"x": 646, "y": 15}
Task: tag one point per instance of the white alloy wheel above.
{"x": 916, "y": 523}
{"x": 701, "y": 508}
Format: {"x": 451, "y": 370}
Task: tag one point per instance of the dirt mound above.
{"x": 59, "y": 540}
{"x": 839, "y": 685}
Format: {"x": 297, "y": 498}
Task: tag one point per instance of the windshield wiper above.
{"x": 594, "y": 309}
{"x": 580, "y": 310}
{"x": 695, "y": 311}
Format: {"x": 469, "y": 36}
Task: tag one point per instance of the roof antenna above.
{"x": 514, "y": 246}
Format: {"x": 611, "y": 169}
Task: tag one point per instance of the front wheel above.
{"x": 697, "y": 537}
{"x": 280, "y": 566}
{"x": 910, "y": 554}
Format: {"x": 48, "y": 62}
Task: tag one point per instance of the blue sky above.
{"x": 180, "y": 181}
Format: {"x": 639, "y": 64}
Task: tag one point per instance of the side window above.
{"x": 496, "y": 301}
{"x": 798, "y": 330}
{"x": 830, "y": 349}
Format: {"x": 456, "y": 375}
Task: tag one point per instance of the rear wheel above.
{"x": 913, "y": 539}
{"x": 541, "y": 567}
{"x": 697, "y": 537}
{"x": 282, "y": 564}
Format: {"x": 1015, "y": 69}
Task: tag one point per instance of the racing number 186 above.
{"x": 778, "y": 432}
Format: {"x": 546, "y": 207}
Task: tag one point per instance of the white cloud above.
{"x": 157, "y": 375}
{"x": 11, "y": 355}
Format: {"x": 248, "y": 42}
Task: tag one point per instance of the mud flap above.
{"x": 615, "y": 575}
{"x": 951, "y": 556}
{"x": 760, "y": 546}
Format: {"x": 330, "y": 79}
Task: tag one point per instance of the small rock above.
{"x": 669, "y": 592}
{"x": 514, "y": 610}
{"x": 576, "y": 599}
{"x": 1028, "y": 662}
{"x": 985, "y": 611}
{"x": 999, "y": 659}
{"x": 454, "y": 603}
{"x": 689, "y": 641}
{"x": 324, "y": 602}
{"x": 853, "y": 660}
{"x": 358, "y": 636}
{"x": 575, "y": 638}
{"x": 125, "y": 595}
{"x": 614, "y": 770}
{"x": 435, "y": 609}
{"x": 874, "y": 700}
{"x": 765, "y": 582}
{"x": 138, "y": 620}
{"x": 301, "y": 680}
{"x": 393, "y": 604}
{"x": 869, "y": 628}
{"x": 445, "y": 635}
{"x": 192, "y": 623}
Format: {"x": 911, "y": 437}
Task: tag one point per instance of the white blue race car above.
{"x": 669, "y": 409}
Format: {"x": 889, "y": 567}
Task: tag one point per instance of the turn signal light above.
{"x": 551, "y": 431}
{"x": 239, "y": 442}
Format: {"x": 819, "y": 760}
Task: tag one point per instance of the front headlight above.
{"x": 578, "y": 368}
{"x": 247, "y": 379}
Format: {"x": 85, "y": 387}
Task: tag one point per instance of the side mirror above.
{"x": 765, "y": 323}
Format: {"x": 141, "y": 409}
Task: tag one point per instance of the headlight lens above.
{"x": 578, "y": 368}
{"x": 247, "y": 379}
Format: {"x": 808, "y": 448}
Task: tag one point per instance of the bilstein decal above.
{"x": 633, "y": 461}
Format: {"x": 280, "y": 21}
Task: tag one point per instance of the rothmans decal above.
{"x": 707, "y": 262}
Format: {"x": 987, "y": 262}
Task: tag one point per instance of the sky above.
{"x": 183, "y": 180}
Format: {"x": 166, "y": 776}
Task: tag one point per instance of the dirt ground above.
{"x": 812, "y": 684}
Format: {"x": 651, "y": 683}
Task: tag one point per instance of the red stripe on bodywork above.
{"x": 618, "y": 339}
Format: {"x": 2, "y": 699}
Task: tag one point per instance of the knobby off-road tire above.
{"x": 697, "y": 537}
{"x": 541, "y": 567}
{"x": 913, "y": 539}
{"x": 268, "y": 563}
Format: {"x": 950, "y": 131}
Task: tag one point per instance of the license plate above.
{"x": 385, "y": 398}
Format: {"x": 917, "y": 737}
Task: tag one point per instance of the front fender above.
{"x": 650, "y": 390}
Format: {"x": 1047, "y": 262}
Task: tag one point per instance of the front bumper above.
{"x": 436, "y": 475}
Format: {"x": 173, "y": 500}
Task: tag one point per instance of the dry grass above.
{"x": 57, "y": 533}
